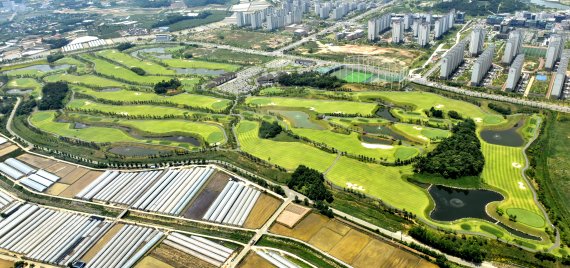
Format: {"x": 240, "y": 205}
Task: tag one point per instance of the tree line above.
{"x": 311, "y": 79}
{"x": 310, "y": 182}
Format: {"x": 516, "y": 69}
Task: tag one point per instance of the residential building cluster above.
{"x": 513, "y": 46}
{"x": 482, "y": 65}
{"x": 452, "y": 59}
{"x": 554, "y": 51}
{"x": 477, "y": 40}
{"x": 515, "y": 72}
{"x": 560, "y": 76}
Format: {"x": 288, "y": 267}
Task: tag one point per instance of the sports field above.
{"x": 127, "y": 110}
{"x": 184, "y": 99}
{"x": 319, "y": 106}
{"x": 352, "y": 145}
{"x": 88, "y": 80}
{"x": 198, "y": 64}
{"x": 129, "y": 61}
{"x": 286, "y": 154}
{"x": 357, "y": 77}
{"x": 423, "y": 101}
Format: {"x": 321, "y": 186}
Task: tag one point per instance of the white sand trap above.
{"x": 516, "y": 165}
{"x": 117, "y": 67}
{"x": 338, "y": 112}
{"x": 124, "y": 113}
{"x": 377, "y": 146}
{"x": 312, "y": 108}
{"x": 521, "y": 185}
{"x": 418, "y": 128}
{"x": 478, "y": 119}
{"x": 439, "y": 106}
{"x": 354, "y": 186}
{"x": 273, "y": 103}
{"x": 88, "y": 103}
{"x": 137, "y": 94}
{"x": 423, "y": 137}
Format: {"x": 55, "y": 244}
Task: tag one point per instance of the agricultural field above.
{"x": 319, "y": 106}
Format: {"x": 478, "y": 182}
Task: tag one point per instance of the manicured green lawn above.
{"x": 271, "y": 90}
{"x": 127, "y": 60}
{"x": 351, "y": 144}
{"x": 320, "y": 106}
{"x": 127, "y": 110}
{"x": 286, "y": 154}
{"x": 81, "y": 66}
{"x": 106, "y": 68}
{"x": 192, "y": 100}
{"x": 24, "y": 84}
{"x": 210, "y": 132}
{"x": 198, "y": 64}
{"x": 421, "y": 133}
{"x": 357, "y": 77}
{"x": 385, "y": 183}
{"x": 89, "y": 80}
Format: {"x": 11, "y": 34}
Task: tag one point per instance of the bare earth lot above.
{"x": 206, "y": 197}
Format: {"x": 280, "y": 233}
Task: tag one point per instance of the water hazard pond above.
{"x": 509, "y": 137}
{"x": 454, "y": 204}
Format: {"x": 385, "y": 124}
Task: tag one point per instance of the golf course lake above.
{"x": 18, "y": 92}
{"x": 298, "y": 119}
{"x": 383, "y": 130}
{"x": 45, "y": 67}
{"x": 384, "y": 112}
{"x": 508, "y": 137}
{"x": 375, "y": 140}
{"x": 454, "y": 204}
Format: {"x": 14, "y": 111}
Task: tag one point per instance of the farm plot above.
{"x": 87, "y": 80}
{"x": 263, "y": 209}
{"x": 233, "y": 204}
{"x": 350, "y": 245}
{"x": 503, "y": 170}
{"x": 170, "y": 257}
{"x": 385, "y": 183}
{"x": 126, "y": 247}
{"x": 182, "y": 100}
{"x": 423, "y": 101}
{"x": 351, "y": 144}
{"x": 198, "y": 207}
{"x": 127, "y": 110}
{"x": 37, "y": 180}
{"x": 49, "y": 236}
{"x": 129, "y": 61}
{"x": 319, "y": 106}
{"x": 286, "y": 154}
{"x": 276, "y": 259}
{"x": 7, "y": 148}
{"x": 200, "y": 248}
{"x": 422, "y": 133}
{"x": 198, "y": 64}
{"x": 252, "y": 260}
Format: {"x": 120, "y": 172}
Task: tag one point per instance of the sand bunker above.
{"x": 516, "y": 165}
{"x": 423, "y": 137}
{"x": 354, "y": 186}
{"x": 377, "y": 146}
{"x": 439, "y": 106}
{"x": 521, "y": 185}
{"x": 312, "y": 108}
{"x": 478, "y": 119}
{"x": 418, "y": 128}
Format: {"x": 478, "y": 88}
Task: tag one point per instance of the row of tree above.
{"x": 470, "y": 249}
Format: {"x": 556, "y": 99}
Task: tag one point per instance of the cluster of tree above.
{"x": 481, "y": 8}
{"x": 152, "y": 3}
{"x": 5, "y": 105}
{"x": 54, "y": 57}
{"x": 456, "y": 156}
{"x": 269, "y": 130}
{"x": 124, "y": 46}
{"x": 310, "y": 182}
{"x": 53, "y": 95}
{"x": 433, "y": 112}
{"x": 504, "y": 110}
{"x": 454, "y": 115}
{"x": 197, "y": 3}
{"x": 171, "y": 19}
{"x": 470, "y": 249}
{"x": 56, "y": 42}
{"x": 164, "y": 86}
{"x": 27, "y": 107}
{"x": 310, "y": 79}
{"x": 138, "y": 71}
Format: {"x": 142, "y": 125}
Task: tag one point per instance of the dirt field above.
{"x": 74, "y": 175}
{"x": 57, "y": 188}
{"x": 292, "y": 215}
{"x": 7, "y": 148}
{"x": 61, "y": 169}
{"x": 252, "y": 260}
{"x": 76, "y": 187}
{"x": 101, "y": 243}
{"x": 244, "y": 39}
{"x": 214, "y": 186}
{"x": 37, "y": 161}
{"x": 263, "y": 209}
{"x": 176, "y": 258}
{"x": 150, "y": 262}
{"x": 352, "y": 246}
{"x": 6, "y": 264}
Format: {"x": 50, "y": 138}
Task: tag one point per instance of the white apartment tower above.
{"x": 515, "y": 72}
{"x": 423, "y": 34}
{"x": 397, "y": 30}
{"x": 512, "y": 47}
{"x": 482, "y": 65}
{"x": 477, "y": 41}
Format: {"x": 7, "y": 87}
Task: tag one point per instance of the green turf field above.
{"x": 211, "y": 133}
{"x": 198, "y": 64}
{"x": 89, "y": 80}
{"x": 286, "y": 154}
{"x": 106, "y": 68}
{"x": 127, "y": 110}
{"x": 24, "y": 84}
{"x": 127, "y": 96}
{"x": 319, "y": 106}
{"x": 357, "y": 77}
{"x": 129, "y": 61}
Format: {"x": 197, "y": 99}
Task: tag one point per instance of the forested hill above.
{"x": 480, "y": 8}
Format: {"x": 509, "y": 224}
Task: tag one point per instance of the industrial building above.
{"x": 560, "y": 76}
{"x": 423, "y": 34}
{"x": 477, "y": 41}
{"x": 554, "y": 51}
{"x": 482, "y": 65}
{"x": 513, "y": 46}
{"x": 452, "y": 59}
{"x": 397, "y": 30}
{"x": 515, "y": 72}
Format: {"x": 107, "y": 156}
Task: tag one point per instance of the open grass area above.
{"x": 286, "y": 154}
{"x": 421, "y": 133}
{"x": 109, "y": 69}
{"x": 319, "y": 106}
{"x": 382, "y": 182}
{"x": 352, "y": 145}
{"x": 183, "y": 100}
{"x": 357, "y": 77}
{"x": 89, "y": 80}
{"x": 25, "y": 84}
{"x": 129, "y": 61}
{"x": 80, "y": 66}
{"x": 198, "y": 64}
{"x": 423, "y": 101}
{"x": 127, "y": 110}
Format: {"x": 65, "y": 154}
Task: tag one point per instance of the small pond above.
{"x": 508, "y": 137}
{"x": 384, "y": 112}
{"x": 112, "y": 89}
{"x": 18, "y": 92}
{"x": 78, "y": 125}
{"x": 298, "y": 119}
{"x": 375, "y": 140}
{"x": 454, "y": 204}
{"x": 199, "y": 71}
{"x": 158, "y": 50}
{"x": 383, "y": 130}
{"x": 185, "y": 139}
{"x": 44, "y": 67}
{"x": 134, "y": 151}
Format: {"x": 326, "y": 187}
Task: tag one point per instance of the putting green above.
{"x": 527, "y": 217}
{"x": 319, "y": 106}
{"x": 286, "y": 154}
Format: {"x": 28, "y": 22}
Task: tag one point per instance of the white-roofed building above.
{"x": 83, "y": 43}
